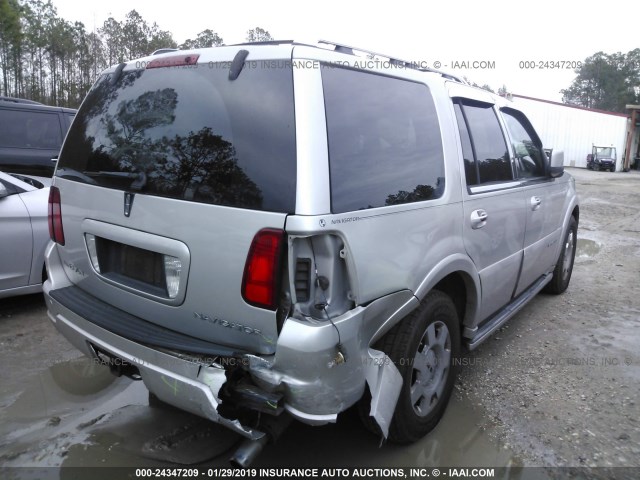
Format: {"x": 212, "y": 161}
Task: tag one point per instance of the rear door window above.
{"x": 384, "y": 140}
{"x": 29, "y": 129}
{"x": 478, "y": 122}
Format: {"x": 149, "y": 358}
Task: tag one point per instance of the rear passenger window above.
{"x": 384, "y": 140}
{"x": 21, "y": 129}
{"x": 470, "y": 170}
{"x": 527, "y": 147}
{"x": 478, "y": 122}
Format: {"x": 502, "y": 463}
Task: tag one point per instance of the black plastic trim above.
{"x": 134, "y": 328}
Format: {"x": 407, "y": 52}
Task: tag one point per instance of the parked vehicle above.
{"x": 23, "y": 233}
{"x": 261, "y": 232}
{"x": 31, "y": 135}
{"x": 602, "y": 158}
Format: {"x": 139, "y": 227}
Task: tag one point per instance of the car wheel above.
{"x": 564, "y": 266}
{"x": 596, "y": 167}
{"x": 423, "y": 347}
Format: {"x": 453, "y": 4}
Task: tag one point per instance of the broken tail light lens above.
{"x": 261, "y": 272}
{"x": 55, "y": 216}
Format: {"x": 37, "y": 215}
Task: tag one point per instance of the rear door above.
{"x": 166, "y": 176}
{"x": 16, "y": 239}
{"x": 494, "y": 214}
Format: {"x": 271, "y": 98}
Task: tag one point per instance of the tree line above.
{"x": 48, "y": 59}
{"x": 606, "y": 82}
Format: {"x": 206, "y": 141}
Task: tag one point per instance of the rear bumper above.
{"x": 307, "y": 370}
{"x": 314, "y": 387}
{"x": 190, "y": 386}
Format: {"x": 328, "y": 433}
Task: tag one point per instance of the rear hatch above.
{"x": 169, "y": 171}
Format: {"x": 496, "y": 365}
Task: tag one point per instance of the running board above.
{"x": 507, "y": 312}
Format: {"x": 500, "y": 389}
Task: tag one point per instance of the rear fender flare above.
{"x": 457, "y": 263}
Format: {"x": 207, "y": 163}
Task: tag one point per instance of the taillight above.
{"x": 261, "y": 272}
{"x": 55, "y": 216}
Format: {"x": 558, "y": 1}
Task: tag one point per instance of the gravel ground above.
{"x": 561, "y": 381}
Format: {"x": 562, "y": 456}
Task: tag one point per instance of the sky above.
{"x": 490, "y": 42}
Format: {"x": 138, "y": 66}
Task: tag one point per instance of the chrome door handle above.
{"x": 535, "y": 203}
{"x": 478, "y": 219}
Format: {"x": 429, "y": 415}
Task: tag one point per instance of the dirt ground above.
{"x": 559, "y": 385}
{"x": 561, "y": 380}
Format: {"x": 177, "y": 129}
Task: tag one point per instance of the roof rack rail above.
{"x": 268, "y": 42}
{"x": 165, "y": 50}
{"x": 19, "y": 100}
{"x": 342, "y": 48}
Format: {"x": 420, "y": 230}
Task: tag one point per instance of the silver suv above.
{"x": 277, "y": 231}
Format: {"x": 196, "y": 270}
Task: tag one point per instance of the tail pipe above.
{"x": 249, "y": 450}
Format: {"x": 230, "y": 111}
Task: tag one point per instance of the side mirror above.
{"x": 557, "y": 164}
{"x": 3, "y": 191}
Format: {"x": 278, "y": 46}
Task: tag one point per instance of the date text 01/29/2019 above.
{"x": 402, "y": 472}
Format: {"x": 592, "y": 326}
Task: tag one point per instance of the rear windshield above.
{"x": 190, "y": 134}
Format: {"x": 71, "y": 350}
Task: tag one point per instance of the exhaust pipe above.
{"x": 248, "y": 452}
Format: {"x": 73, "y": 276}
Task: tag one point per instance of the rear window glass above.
{"x": 190, "y": 134}
{"x": 488, "y": 143}
{"x": 24, "y": 129}
{"x": 384, "y": 140}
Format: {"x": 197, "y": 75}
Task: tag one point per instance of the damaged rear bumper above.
{"x": 316, "y": 378}
{"x": 190, "y": 386}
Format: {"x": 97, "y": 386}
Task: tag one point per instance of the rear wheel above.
{"x": 564, "y": 267}
{"x": 423, "y": 347}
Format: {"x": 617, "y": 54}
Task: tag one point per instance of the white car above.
{"x": 24, "y": 233}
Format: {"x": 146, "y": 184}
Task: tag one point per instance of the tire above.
{"x": 423, "y": 347}
{"x": 564, "y": 266}
{"x": 596, "y": 167}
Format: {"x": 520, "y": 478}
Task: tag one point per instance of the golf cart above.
{"x": 602, "y": 158}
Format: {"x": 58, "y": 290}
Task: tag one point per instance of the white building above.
{"x": 576, "y": 129}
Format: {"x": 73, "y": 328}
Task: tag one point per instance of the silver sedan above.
{"x": 24, "y": 233}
